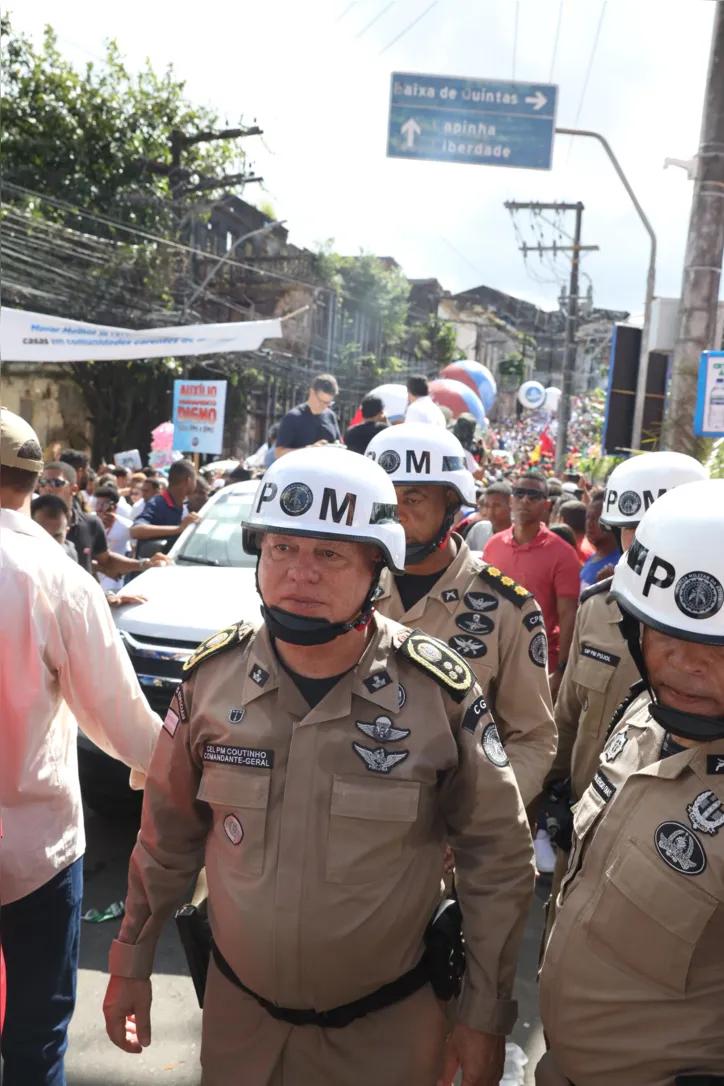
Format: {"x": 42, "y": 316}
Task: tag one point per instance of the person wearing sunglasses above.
{"x": 313, "y": 422}
{"x": 548, "y": 567}
{"x": 86, "y": 531}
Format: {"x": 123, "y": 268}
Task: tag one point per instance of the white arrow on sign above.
{"x": 537, "y": 101}
{"x": 410, "y": 129}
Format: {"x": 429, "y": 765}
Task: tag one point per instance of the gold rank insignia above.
{"x": 506, "y": 586}
{"x": 218, "y": 642}
{"x": 440, "y": 662}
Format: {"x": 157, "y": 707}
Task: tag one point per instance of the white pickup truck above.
{"x": 211, "y": 584}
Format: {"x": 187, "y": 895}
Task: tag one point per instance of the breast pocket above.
{"x": 594, "y": 677}
{"x": 648, "y": 919}
{"x": 239, "y": 800}
{"x": 369, "y": 822}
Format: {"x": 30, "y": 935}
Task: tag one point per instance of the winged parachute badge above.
{"x": 383, "y": 730}
{"x": 379, "y": 760}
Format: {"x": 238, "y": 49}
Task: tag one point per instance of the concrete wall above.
{"x": 46, "y": 398}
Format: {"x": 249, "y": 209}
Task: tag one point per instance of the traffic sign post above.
{"x": 448, "y": 119}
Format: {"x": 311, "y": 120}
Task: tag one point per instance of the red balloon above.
{"x": 456, "y": 372}
{"x": 459, "y": 398}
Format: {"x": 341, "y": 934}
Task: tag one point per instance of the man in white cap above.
{"x": 318, "y": 765}
{"x": 632, "y": 985}
{"x": 61, "y": 661}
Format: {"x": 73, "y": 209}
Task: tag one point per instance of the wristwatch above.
{"x": 143, "y": 563}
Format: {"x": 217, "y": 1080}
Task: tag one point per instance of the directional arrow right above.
{"x": 537, "y": 101}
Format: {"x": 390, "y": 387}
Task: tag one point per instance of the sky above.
{"x": 316, "y": 77}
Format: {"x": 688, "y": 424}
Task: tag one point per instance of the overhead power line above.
{"x": 555, "y": 40}
{"x": 409, "y": 27}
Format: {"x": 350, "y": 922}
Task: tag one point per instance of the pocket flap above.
{"x": 382, "y": 801}
{"x": 593, "y": 674}
{"x": 234, "y": 787}
{"x": 673, "y": 902}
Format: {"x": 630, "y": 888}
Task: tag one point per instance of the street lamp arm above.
{"x": 650, "y": 280}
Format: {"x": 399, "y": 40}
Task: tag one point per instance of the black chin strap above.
{"x": 702, "y": 729}
{"x": 304, "y": 630}
{"x": 418, "y": 552}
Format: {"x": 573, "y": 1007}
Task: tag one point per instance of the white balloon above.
{"x": 394, "y": 397}
{"x": 553, "y": 395}
{"x": 531, "y": 394}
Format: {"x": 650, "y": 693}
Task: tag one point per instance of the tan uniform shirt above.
{"x": 632, "y": 986}
{"x": 598, "y": 677}
{"x": 323, "y": 830}
{"x": 500, "y": 633}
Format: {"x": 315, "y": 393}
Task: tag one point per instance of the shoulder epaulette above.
{"x": 218, "y": 642}
{"x": 595, "y": 589}
{"x": 505, "y": 585}
{"x": 638, "y": 688}
{"x": 440, "y": 662}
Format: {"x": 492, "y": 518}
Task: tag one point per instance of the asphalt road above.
{"x": 176, "y": 1020}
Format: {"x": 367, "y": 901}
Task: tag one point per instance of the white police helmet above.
{"x": 418, "y": 454}
{"x": 328, "y": 493}
{"x": 672, "y": 577}
{"x": 637, "y": 483}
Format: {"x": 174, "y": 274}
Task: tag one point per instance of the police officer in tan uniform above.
{"x": 600, "y": 671}
{"x": 632, "y": 985}
{"x": 318, "y": 765}
{"x": 451, "y": 594}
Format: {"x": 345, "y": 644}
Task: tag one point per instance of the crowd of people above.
{"x": 466, "y": 670}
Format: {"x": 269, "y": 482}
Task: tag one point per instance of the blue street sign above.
{"x": 447, "y": 119}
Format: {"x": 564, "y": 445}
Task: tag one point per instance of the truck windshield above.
{"x": 216, "y": 539}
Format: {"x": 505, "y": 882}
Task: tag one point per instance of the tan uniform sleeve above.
{"x": 169, "y": 851}
{"x": 523, "y": 707}
{"x": 568, "y": 710}
{"x": 494, "y": 871}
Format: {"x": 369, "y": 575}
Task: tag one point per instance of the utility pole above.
{"x": 704, "y": 250}
{"x": 569, "y": 364}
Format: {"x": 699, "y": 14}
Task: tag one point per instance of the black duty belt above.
{"x": 337, "y": 1017}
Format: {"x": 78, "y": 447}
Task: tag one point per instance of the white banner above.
{"x": 35, "y": 337}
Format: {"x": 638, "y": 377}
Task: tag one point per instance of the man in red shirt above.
{"x": 545, "y": 564}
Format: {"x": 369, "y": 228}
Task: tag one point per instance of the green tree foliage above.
{"x": 435, "y": 341}
{"x": 95, "y": 138}
{"x": 100, "y": 140}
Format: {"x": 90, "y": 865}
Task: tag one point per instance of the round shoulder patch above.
{"x": 493, "y": 747}
{"x": 538, "y": 649}
{"x": 680, "y": 848}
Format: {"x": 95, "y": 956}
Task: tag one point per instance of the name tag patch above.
{"x": 249, "y": 756}
{"x": 601, "y": 655}
{"x": 603, "y": 787}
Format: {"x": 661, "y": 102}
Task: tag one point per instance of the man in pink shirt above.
{"x": 545, "y": 564}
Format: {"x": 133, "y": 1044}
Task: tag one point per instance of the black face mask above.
{"x": 418, "y": 552}
{"x": 701, "y": 729}
{"x": 303, "y": 630}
